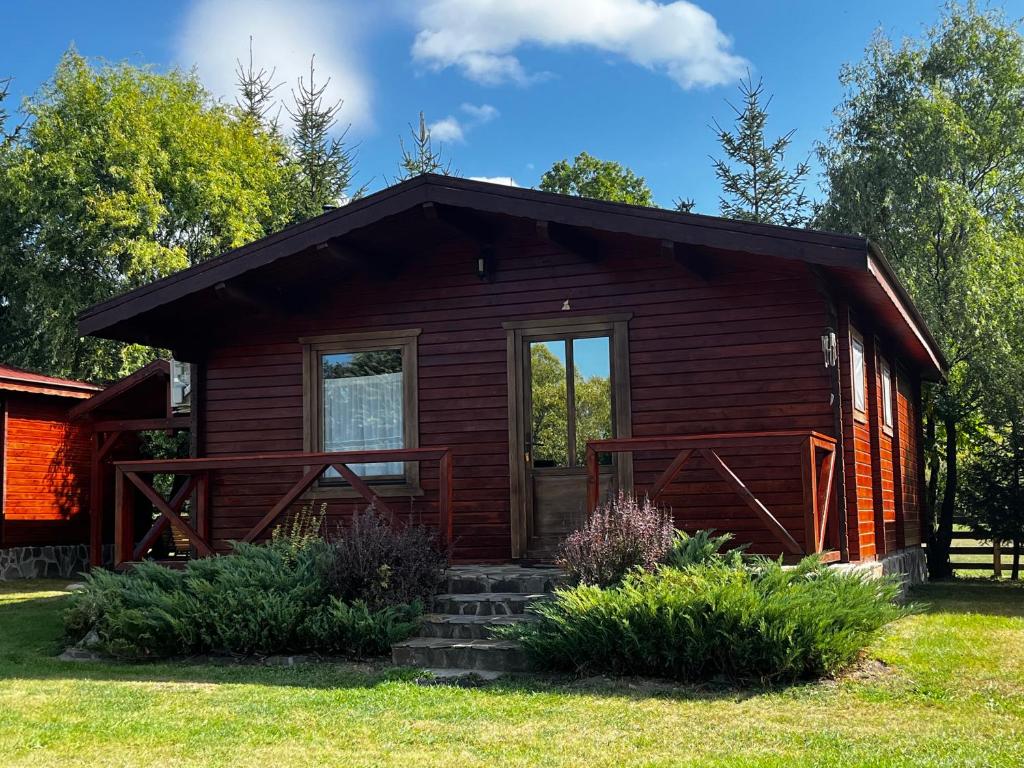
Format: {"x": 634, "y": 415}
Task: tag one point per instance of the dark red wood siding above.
{"x": 46, "y": 473}
{"x": 739, "y": 352}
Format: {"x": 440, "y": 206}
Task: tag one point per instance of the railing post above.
{"x": 446, "y": 521}
{"x": 124, "y": 518}
{"x": 202, "y": 507}
{"x": 593, "y": 480}
{"x": 809, "y": 475}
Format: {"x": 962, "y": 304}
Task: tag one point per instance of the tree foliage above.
{"x": 756, "y": 183}
{"x": 121, "y": 175}
{"x": 549, "y": 402}
{"x": 927, "y": 158}
{"x": 586, "y": 176}
{"x": 421, "y": 156}
{"x": 323, "y": 163}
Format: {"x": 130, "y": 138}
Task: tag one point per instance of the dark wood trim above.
{"x": 315, "y": 346}
{"x": 143, "y": 425}
{"x": 555, "y": 323}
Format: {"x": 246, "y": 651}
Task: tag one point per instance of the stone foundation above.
{"x": 910, "y": 565}
{"x": 52, "y": 562}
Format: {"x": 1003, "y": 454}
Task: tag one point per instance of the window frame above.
{"x": 857, "y": 341}
{"x": 314, "y": 348}
{"x": 888, "y": 414}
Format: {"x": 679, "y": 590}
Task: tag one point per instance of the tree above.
{"x": 122, "y": 175}
{"x": 756, "y": 183}
{"x": 548, "y": 399}
{"x": 422, "y": 157}
{"x": 589, "y": 177}
{"x": 256, "y": 89}
{"x": 927, "y": 158}
{"x": 324, "y": 165}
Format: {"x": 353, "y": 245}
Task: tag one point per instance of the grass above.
{"x": 943, "y": 688}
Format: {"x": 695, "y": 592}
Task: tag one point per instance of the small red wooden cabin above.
{"x": 44, "y": 459}
{"x": 469, "y": 353}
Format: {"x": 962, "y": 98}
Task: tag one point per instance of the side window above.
{"x": 887, "y": 415}
{"x": 860, "y": 381}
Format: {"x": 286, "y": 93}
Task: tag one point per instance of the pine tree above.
{"x": 757, "y": 184}
{"x": 256, "y": 92}
{"x": 422, "y": 158}
{"x": 325, "y": 164}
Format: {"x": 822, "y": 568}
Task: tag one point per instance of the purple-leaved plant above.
{"x": 620, "y": 535}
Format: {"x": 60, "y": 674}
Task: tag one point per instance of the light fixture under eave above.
{"x": 485, "y": 262}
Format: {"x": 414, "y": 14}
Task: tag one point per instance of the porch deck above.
{"x": 815, "y": 452}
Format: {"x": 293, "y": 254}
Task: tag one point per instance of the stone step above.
{"x": 444, "y": 653}
{"x": 487, "y": 603}
{"x": 446, "y": 625}
{"x": 470, "y": 579}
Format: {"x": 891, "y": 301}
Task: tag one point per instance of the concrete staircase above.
{"x": 457, "y": 640}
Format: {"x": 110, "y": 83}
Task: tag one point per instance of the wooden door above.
{"x": 568, "y": 400}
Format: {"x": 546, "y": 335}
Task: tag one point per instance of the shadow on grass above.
{"x": 988, "y": 598}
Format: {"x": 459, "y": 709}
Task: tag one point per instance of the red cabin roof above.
{"x": 19, "y": 380}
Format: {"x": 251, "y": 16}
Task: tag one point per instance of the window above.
{"x": 887, "y": 420}
{"x": 860, "y": 399}
{"x": 360, "y": 395}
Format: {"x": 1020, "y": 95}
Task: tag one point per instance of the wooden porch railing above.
{"x": 816, "y": 453}
{"x": 130, "y": 475}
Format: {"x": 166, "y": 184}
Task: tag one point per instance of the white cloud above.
{"x": 447, "y": 129}
{"x": 483, "y": 113}
{"x": 507, "y": 181}
{"x": 450, "y": 128}
{"x": 480, "y": 37}
{"x": 216, "y": 34}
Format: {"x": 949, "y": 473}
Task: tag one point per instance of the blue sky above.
{"x": 526, "y": 82}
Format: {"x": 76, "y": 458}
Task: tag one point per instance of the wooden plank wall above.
{"x": 882, "y": 451}
{"x": 911, "y": 473}
{"x": 739, "y": 352}
{"x": 46, "y": 473}
{"x": 875, "y": 509}
{"x": 857, "y": 447}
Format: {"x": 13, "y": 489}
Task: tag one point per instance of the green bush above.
{"x": 703, "y": 548}
{"x": 260, "y": 599}
{"x": 761, "y": 623}
{"x": 356, "y": 630}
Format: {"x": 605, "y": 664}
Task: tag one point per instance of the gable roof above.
{"x": 855, "y": 262}
{"x": 158, "y": 367}
{"x": 14, "y": 379}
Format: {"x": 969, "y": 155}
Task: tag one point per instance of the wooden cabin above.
{"x": 44, "y": 474}
{"x": 494, "y": 361}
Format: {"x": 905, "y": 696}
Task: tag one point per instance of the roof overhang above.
{"x": 837, "y": 253}
{"x": 45, "y": 385}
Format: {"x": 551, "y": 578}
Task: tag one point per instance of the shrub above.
{"x": 620, "y": 535}
{"x": 260, "y": 599}
{"x": 355, "y": 630}
{"x": 385, "y": 565}
{"x": 763, "y": 624}
{"x": 703, "y": 548}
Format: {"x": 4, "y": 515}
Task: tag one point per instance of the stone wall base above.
{"x": 909, "y": 564}
{"x": 51, "y": 562}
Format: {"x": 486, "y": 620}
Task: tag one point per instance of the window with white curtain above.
{"x": 360, "y": 395}
{"x": 362, "y": 406}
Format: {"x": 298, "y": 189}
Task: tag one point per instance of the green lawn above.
{"x": 951, "y": 693}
